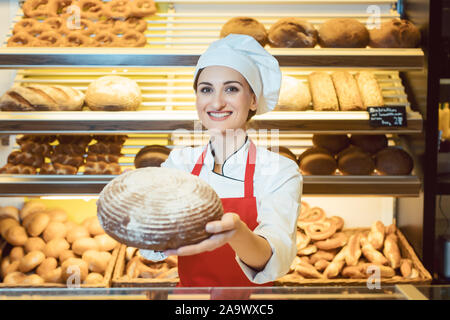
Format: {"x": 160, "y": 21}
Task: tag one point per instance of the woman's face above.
{"x": 224, "y": 98}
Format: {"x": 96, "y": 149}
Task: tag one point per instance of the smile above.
{"x": 219, "y": 116}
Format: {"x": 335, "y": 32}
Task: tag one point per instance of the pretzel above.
{"x": 354, "y": 249}
{"x": 391, "y": 250}
{"x": 75, "y": 161}
{"x": 25, "y": 158}
{"x": 143, "y": 8}
{"x": 57, "y": 168}
{"x": 36, "y": 8}
{"x": 136, "y": 24}
{"x": 37, "y": 148}
{"x": 91, "y": 9}
{"x": 313, "y": 215}
{"x": 320, "y": 230}
{"x": 105, "y": 148}
{"x": 102, "y": 168}
{"x": 25, "y": 25}
{"x": 106, "y": 39}
{"x": 17, "y": 169}
{"x": 117, "y": 9}
{"x": 56, "y": 24}
{"x": 77, "y": 39}
{"x": 70, "y": 149}
{"x": 376, "y": 235}
{"x": 133, "y": 38}
{"x": 105, "y": 25}
{"x": 108, "y": 158}
{"x": 86, "y": 27}
{"x": 337, "y": 240}
{"x": 21, "y": 39}
{"x": 49, "y": 39}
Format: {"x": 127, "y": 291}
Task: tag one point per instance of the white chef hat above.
{"x": 245, "y": 55}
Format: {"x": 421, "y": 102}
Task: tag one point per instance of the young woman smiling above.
{"x": 255, "y": 241}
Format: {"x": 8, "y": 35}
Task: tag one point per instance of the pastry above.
{"x": 397, "y": 33}
{"x": 245, "y": 25}
{"x": 157, "y": 208}
{"x": 347, "y": 91}
{"x": 322, "y": 91}
{"x": 343, "y": 33}
{"x": 292, "y": 33}
{"x": 354, "y": 161}
{"x": 393, "y": 161}
{"x": 294, "y": 95}
{"x": 369, "y": 89}
{"x": 370, "y": 143}
{"x": 113, "y": 93}
{"x": 334, "y": 143}
{"x": 151, "y": 156}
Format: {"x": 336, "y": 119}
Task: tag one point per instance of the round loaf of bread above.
{"x": 317, "y": 161}
{"x": 245, "y": 25}
{"x": 151, "y": 156}
{"x": 354, "y": 161}
{"x": 158, "y": 208}
{"x": 393, "y": 161}
{"x": 292, "y": 33}
{"x": 113, "y": 93}
{"x": 334, "y": 143}
{"x": 343, "y": 33}
{"x": 370, "y": 143}
{"x": 396, "y": 33}
{"x": 284, "y": 152}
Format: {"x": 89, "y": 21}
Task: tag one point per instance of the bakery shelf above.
{"x": 42, "y": 185}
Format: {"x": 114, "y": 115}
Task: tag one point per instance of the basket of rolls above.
{"x": 329, "y": 254}
{"x": 42, "y": 248}
{"x": 133, "y": 270}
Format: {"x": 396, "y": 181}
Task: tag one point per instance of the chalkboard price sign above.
{"x": 392, "y": 116}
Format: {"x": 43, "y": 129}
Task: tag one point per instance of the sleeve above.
{"x": 278, "y": 209}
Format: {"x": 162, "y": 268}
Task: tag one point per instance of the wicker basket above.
{"x": 406, "y": 252}
{"x": 121, "y": 280}
{"x": 5, "y": 248}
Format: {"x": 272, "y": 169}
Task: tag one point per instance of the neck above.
{"x": 224, "y": 144}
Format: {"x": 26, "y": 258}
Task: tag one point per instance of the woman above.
{"x": 255, "y": 241}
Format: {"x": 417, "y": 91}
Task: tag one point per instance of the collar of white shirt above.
{"x": 234, "y": 165}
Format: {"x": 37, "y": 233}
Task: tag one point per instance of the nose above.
{"x": 218, "y": 100}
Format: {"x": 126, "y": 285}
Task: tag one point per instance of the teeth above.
{"x": 219, "y": 115}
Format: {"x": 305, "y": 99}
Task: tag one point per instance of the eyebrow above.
{"x": 227, "y": 82}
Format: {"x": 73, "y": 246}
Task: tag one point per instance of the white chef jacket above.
{"x": 277, "y": 186}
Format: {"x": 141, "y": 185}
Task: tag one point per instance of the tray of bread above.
{"x": 183, "y": 29}
{"x": 43, "y": 247}
{"x": 330, "y": 254}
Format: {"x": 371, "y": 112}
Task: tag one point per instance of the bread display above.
{"x": 292, "y": 33}
{"x": 334, "y": 143}
{"x": 245, "y": 25}
{"x": 151, "y": 156}
{"x": 347, "y": 91}
{"x": 42, "y": 98}
{"x": 370, "y": 143}
{"x": 369, "y": 89}
{"x": 284, "y": 151}
{"x": 393, "y": 161}
{"x": 42, "y": 248}
{"x": 294, "y": 95}
{"x": 322, "y": 91}
{"x": 346, "y": 254}
{"x": 113, "y": 93}
{"x": 115, "y": 23}
{"x": 158, "y": 208}
{"x": 343, "y": 33}
{"x": 396, "y": 33}
{"x": 354, "y": 161}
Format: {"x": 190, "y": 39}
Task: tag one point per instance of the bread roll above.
{"x": 14, "y": 278}
{"x": 334, "y": 143}
{"x": 38, "y": 224}
{"x": 53, "y": 276}
{"x": 369, "y": 89}
{"x": 151, "y": 156}
{"x": 97, "y": 260}
{"x": 16, "y": 253}
{"x": 57, "y": 214}
{"x": 105, "y": 242}
{"x": 9, "y": 212}
{"x": 294, "y": 95}
{"x": 7, "y": 266}
{"x": 113, "y": 93}
{"x": 396, "y": 33}
{"x": 55, "y": 229}
{"x": 34, "y": 244}
{"x": 84, "y": 244}
{"x": 54, "y": 247}
{"x": 94, "y": 227}
{"x": 322, "y": 91}
{"x": 318, "y": 164}
{"x": 74, "y": 268}
{"x": 245, "y": 25}
{"x": 370, "y": 143}
{"x": 152, "y": 208}
{"x": 292, "y": 33}
{"x": 31, "y": 260}
{"x": 31, "y": 207}
{"x": 93, "y": 278}
{"x": 77, "y": 232}
{"x": 46, "y": 266}
{"x": 393, "y": 161}
{"x": 66, "y": 254}
{"x": 347, "y": 91}
{"x": 7, "y": 223}
{"x": 343, "y": 33}
{"x": 354, "y": 161}
{"x": 16, "y": 235}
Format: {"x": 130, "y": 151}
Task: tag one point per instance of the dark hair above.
{"x": 251, "y": 113}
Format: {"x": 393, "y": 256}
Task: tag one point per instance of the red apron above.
{"x": 219, "y": 268}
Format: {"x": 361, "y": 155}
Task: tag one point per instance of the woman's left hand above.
{"x": 223, "y": 231}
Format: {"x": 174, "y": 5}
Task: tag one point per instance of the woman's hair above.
{"x": 251, "y": 113}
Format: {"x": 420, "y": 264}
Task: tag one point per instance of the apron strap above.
{"x": 249, "y": 169}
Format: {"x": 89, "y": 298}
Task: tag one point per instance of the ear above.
{"x": 253, "y": 104}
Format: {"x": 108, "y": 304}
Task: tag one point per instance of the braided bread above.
{"x": 74, "y": 161}
{"x": 108, "y": 158}
{"x": 102, "y": 167}
{"x": 105, "y": 148}
{"x": 82, "y": 140}
{"x": 70, "y": 149}
{"x": 57, "y": 168}
{"x": 37, "y": 139}
{"x": 37, "y": 148}
{"x": 17, "y": 169}
{"x": 119, "y": 139}
{"x": 25, "y": 158}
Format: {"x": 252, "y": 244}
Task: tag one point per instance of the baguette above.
{"x": 347, "y": 91}
{"x": 323, "y": 92}
{"x": 369, "y": 89}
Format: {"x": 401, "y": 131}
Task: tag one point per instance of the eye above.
{"x": 232, "y": 89}
{"x": 205, "y": 89}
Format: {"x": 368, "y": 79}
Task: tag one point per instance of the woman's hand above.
{"x": 223, "y": 231}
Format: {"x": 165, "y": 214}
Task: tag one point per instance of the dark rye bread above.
{"x": 370, "y": 143}
{"x": 317, "y": 161}
{"x": 245, "y": 25}
{"x": 334, "y": 143}
{"x": 355, "y": 161}
{"x": 292, "y": 33}
{"x": 393, "y": 161}
{"x": 151, "y": 156}
{"x": 343, "y": 33}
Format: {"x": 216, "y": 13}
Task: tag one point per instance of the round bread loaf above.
{"x": 158, "y": 208}
{"x": 151, "y": 156}
{"x": 113, "y": 93}
{"x": 370, "y": 143}
{"x": 245, "y": 25}
{"x": 395, "y": 33}
{"x": 334, "y": 143}
{"x": 354, "y": 161}
{"x": 343, "y": 33}
{"x": 292, "y": 33}
{"x": 317, "y": 161}
{"x": 284, "y": 152}
{"x": 393, "y": 161}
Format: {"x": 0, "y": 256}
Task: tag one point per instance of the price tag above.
{"x": 392, "y": 116}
